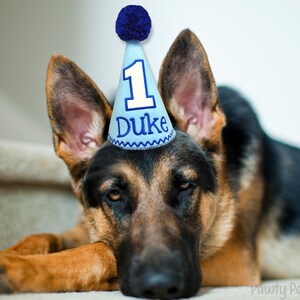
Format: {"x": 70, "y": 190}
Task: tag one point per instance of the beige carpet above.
{"x": 35, "y": 192}
{"x": 282, "y": 289}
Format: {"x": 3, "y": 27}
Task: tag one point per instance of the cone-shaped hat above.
{"x": 139, "y": 119}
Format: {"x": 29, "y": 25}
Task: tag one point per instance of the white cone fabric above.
{"x": 139, "y": 119}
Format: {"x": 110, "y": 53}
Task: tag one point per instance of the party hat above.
{"x": 139, "y": 119}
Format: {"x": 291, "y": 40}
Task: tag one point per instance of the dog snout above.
{"x": 158, "y": 276}
{"x": 160, "y": 271}
{"x": 160, "y": 285}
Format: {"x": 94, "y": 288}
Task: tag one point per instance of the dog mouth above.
{"x": 160, "y": 274}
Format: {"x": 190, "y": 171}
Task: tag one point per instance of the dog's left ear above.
{"x": 189, "y": 91}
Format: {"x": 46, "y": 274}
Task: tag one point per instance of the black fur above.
{"x": 283, "y": 168}
{"x": 280, "y": 163}
{"x": 241, "y": 134}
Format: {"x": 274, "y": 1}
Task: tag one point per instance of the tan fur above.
{"x": 232, "y": 265}
{"x": 86, "y": 268}
{"x": 153, "y": 210}
{"x": 36, "y": 244}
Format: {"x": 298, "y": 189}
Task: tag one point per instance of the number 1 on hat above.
{"x": 139, "y": 99}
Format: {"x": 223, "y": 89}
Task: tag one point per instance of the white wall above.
{"x": 252, "y": 45}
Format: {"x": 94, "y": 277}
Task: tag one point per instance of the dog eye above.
{"x": 184, "y": 186}
{"x": 114, "y": 195}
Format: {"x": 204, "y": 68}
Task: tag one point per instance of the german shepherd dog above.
{"x": 217, "y": 206}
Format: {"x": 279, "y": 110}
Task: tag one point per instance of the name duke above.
{"x": 141, "y": 126}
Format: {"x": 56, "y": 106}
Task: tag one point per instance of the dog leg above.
{"x": 49, "y": 243}
{"x": 87, "y": 268}
{"x": 36, "y": 244}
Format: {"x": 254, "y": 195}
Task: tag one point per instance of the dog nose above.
{"x": 163, "y": 285}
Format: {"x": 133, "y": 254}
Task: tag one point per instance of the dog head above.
{"x": 162, "y": 210}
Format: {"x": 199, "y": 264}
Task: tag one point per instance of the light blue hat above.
{"x": 139, "y": 119}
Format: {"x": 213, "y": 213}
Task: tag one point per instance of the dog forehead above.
{"x": 132, "y": 165}
{"x": 182, "y": 153}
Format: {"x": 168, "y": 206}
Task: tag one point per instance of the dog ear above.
{"x": 189, "y": 91}
{"x": 78, "y": 111}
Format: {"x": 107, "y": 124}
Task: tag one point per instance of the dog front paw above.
{"x": 16, "y": 273}
{"x": 4, "y": 286}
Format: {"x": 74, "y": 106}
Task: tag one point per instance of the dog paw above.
{"x": 13, "y": 274}
{"x": 4, "y": 285}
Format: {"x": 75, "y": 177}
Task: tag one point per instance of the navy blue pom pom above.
{"x": 133, "y": 23}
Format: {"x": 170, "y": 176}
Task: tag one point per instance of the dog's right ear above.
{"x": 78, "y": 111}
